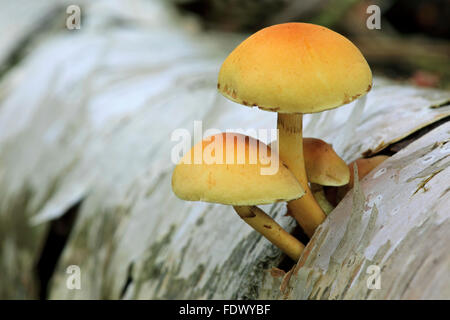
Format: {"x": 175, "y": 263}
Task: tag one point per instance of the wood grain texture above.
{"x": 94, "y": 126}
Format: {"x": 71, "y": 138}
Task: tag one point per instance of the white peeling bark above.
{"x": 396, "y": 219}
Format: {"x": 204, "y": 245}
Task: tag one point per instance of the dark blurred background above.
{"x": 412, "y": 44}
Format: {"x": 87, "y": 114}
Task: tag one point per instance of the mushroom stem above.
{"x": 319, "y": 195}
{"x": 305, "y": 210}
{"x": 270, "y": 229}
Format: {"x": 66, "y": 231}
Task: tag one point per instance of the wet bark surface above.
{"x": 86, "y": 119}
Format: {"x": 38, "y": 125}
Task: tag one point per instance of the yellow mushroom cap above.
{"x": 295, "y": 68}
{"x": 231, "y": 182}
{"x": 323, "y": 165}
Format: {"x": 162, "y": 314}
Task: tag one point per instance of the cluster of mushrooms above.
{"x": 290, "y": 69}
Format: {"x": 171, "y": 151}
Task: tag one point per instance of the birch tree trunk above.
{"x": 86, "y": 121}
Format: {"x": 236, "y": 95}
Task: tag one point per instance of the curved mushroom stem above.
{"x": 270, "y": 229}
{"x": 305, "y": 210}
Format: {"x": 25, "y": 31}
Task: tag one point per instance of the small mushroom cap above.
{"x": 295, "y": 68}
{"x": 232, "y": 182}
{"x": 323, "y": 165}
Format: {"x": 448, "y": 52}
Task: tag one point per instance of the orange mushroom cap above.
{"x": 295, "y": 68}
{"x": 323, "y": 165}
{"x": 236, "y": 183}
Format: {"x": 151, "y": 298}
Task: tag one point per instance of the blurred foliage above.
{"x": 412, "y": 44}
{"x": 334, "y": 12}
{"x": 430, "y": 18}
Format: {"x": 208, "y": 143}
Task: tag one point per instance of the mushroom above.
{"x": 323, "y": 165}
{"x": 216, "y": 179}
{"x": 323, "y": 168}
{"x": 365, "y": 165}
{"x": 319, "y": 194}
{"x": 292, "y": 69}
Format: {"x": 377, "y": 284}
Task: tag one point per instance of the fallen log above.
{"x": 88, "y": 138}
